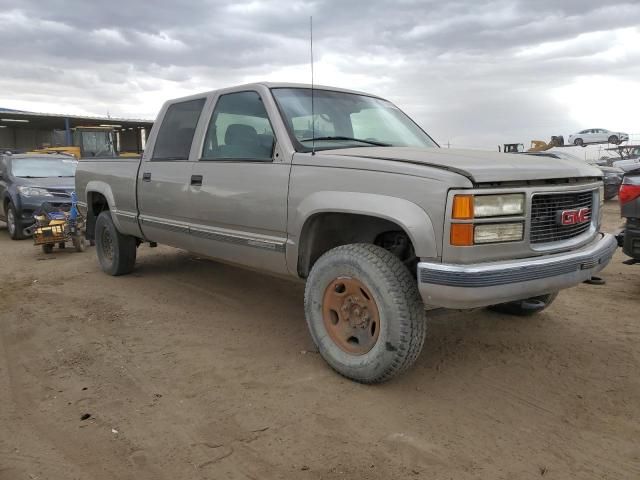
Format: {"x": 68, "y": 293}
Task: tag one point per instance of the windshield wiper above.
{"x": 337, "y": 137}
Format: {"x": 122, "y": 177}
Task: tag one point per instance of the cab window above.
{"x": 239, "y": 129}
{"x": 177, "y": 130}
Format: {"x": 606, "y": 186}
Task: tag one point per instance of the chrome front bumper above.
{"x": 482, "y": 284}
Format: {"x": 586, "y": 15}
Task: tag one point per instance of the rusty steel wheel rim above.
{"x": 350, "y": 315}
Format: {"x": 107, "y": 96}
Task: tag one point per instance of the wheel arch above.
{"x": 99, "y": 198}
{"x": 325, "y": 220}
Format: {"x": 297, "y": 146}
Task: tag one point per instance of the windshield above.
{"x": 342, "y": 120}
{"x": 43, "y": 167}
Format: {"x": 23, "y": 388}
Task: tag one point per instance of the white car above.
{"x": 597, "y": 135}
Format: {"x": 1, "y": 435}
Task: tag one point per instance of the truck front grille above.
{"x": 546, "y": 209}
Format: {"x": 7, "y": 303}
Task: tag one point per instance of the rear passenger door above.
{"x": 239, "y": 194}
{"x": 165, "y": 175}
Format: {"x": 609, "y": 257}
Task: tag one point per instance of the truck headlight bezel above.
{"x": 500, "y": 218}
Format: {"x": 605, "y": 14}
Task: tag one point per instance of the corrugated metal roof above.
{"x": 21, "y": 113}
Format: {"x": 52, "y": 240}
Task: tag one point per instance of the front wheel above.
{"x": 578, "y": 142}
{"x": 15, "y": 232}
{"x": 527, "y": 306}
{"x": 364, "y": 312}
{"x": 614, "y": 139}
{"x": 116, "y": 252}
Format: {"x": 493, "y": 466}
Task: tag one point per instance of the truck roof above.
{"x": 254, "y": 85}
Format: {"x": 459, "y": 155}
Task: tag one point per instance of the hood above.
{"x": 477, "y": 165}
{"x": 54, "y": 183}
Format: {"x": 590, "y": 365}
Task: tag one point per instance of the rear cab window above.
{"x": 176, "y": 132}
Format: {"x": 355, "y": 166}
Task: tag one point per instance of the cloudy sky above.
{"x": 471, "y": 73}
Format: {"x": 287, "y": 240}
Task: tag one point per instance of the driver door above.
{"x": 239, "y": 185}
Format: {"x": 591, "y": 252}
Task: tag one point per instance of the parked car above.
{"x": 351, "y": 196}
{"x": 627, "y": 165}
{"x": 597, "y": 135}
{"x": 611, "y": 176}
{"x": 630, "y": 210}
{"x": 29, "y": 180}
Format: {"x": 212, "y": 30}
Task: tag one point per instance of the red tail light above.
{"x": 628, "y": 193}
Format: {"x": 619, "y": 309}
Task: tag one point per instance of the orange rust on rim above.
{"x": 350, "y": 315}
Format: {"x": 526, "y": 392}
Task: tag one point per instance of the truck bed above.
{"x": 116, "y": 179}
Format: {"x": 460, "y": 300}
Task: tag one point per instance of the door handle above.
{"x": 146, "y": 177}
{"x": 196, "y": 180}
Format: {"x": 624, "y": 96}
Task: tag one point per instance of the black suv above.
{"x": 27, "y": 181}
{"x": 630, "y": 209}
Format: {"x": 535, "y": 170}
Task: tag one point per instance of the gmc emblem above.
{"x": 573, "y": 217}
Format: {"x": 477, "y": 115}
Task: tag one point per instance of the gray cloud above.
{"x": 470, "y": 72}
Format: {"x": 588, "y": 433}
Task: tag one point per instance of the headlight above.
{"x": 498, "y": 232}
{"x": 34, "y": 192}
{"x": 466, "y": 207}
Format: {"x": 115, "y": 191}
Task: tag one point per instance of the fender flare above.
{"x": 7, "y": 197}
{"x": 104, "y": 189}
{"x": 408, "y": 215}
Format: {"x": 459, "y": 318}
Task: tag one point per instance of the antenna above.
{"x": 313, "y": 119}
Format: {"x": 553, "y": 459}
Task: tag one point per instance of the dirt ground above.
{"x": 191, "y": 369}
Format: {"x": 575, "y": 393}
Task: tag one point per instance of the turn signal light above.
{"x": 628, "y": 193}
{"x": 462, "y": 234}
{"x": 462, "y": 208}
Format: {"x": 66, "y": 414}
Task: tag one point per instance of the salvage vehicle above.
{"x": 629, "y": 197}
{"x": 344, "y": 191}
{"x": 29, "y": 180}
{"x": 593, "y": 136}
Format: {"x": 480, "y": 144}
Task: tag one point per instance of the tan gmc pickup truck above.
{"x": 342, "y": 190}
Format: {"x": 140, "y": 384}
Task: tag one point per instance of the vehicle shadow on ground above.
{"x": 455, "y": 339}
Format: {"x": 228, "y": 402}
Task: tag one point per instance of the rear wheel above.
{"x": 15, "y": 232}
{"x": 578, "y": 142}
{"x": 364, "y": 312}
{"x": 116, "y": 252}
{"x": 527, "y": 306}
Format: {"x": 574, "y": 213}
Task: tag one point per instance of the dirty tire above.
{"x": 48, "y": 247}
{"x": 15, "y": 232}
{"x": 402, "y": 325}
{"x": 116, "y": 252}
{"x": 516, "y": 308}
